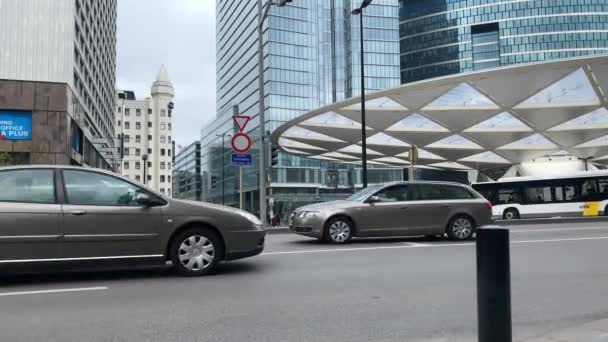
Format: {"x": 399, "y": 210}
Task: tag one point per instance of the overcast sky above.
{"x": 181, "y": 35}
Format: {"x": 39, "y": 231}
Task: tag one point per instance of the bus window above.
{"x": 565, "y": 193}
{"x": 589, "y": 187}
{"x": 603, "y": 183}
{"x": 538, "y": 194}
{"x": 508, "y": 195}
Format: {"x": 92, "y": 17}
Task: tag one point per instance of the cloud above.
{"x": 181, "y": 35}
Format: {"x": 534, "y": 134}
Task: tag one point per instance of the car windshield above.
{"x": 362, "y": 195}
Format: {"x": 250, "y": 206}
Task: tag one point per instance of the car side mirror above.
{"x": 374, "y": 199}
{"x": 145, "y": 200}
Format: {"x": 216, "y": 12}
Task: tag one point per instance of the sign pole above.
{"x": 241, "y": 187}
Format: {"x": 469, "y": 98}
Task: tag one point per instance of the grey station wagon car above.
{"x": 62, "y": 215}
{"x": 396, "y": 209}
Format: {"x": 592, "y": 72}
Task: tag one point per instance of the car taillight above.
{"x": 488, "y": 205}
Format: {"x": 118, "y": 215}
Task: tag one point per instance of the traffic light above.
{"x": 283, "y": 3}
{"x": 274, "y": 156}
{"x": 122, "y": 146}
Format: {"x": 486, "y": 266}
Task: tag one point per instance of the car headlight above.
{"x": 305, "y": 214}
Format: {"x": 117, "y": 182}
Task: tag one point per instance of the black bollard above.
{"x": 493, "y": 285}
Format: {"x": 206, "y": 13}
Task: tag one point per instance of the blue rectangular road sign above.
{"x": 15, "y": 125}
{"x": 241, "y": 159}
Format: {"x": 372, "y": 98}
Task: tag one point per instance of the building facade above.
{"x": 143, "y": 128}
{"x": 187, "y": 173}
{"x": 58, "y": 57}
{"x": 311, "y": 58}
{"x": 442, "y": 37}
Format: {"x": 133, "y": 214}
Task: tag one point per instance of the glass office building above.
{"x": 187, "y": 173}
{"x": 311, "y": 58}
{"x": 442, "y": 37}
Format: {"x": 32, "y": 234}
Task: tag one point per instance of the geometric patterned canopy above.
{"x": 482, "y": 120}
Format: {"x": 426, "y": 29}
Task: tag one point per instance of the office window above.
{"x": 127, "y": 125}
{"x": 149, "y": 151}
{"x": 168, "y": 179}
{"x": 162, "y": 152}
{"x": 126, "y": 166}
{"x": 149, "y": 164}
{"x": 169, "y": 165}
{"x": 162, "y": 191}
{"x": 149, "y": 110}
{"x": 149, "y": 124}
{"x": 169, "y": 152}
{"x": 126, "y": 138}
{"x": 169, "y": 139}
{"x": 162, "y": 178}
{"x": 138, "y": 138}
{"x": 127, "y": 112}
{"x": 138, "y": 125}
{"x": 119, "y": 109}
{"x": 162, "y": 139}
{"x": 137, "y": 152}
{"x": 138, "y": 178}
{"x": 138, "y": 112}
{"x": 118, "y": 123}
{"x": 149, "y": 138}
{"x": 169, "y": 126}
{"x": 162, "y": 165}
{"x": 163, "y": 126}
{"x": 163, "y": 112}
{"x": 126, "y": 151}
{"x": 137, "y": 165}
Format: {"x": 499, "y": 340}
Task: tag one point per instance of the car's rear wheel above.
{"x": 461, "y": 228}
{"x": 196, "y": 251}
{"x": 339, "y": 230}
{"x": 606, "y": 211}
{"x": 511, "y": 214}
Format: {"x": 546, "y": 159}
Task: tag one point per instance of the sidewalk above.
{"x": 596, "y": 331}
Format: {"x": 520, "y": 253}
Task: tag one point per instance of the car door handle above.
{"x": 445, "y": 206}
{"x": 78, "y": 212}
{"x": 403, "y": 208}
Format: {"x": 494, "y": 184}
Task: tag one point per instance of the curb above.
{"x": 550, "y": 220}
{"x": 280, "y": 230}
{"x": 507, "y": 223}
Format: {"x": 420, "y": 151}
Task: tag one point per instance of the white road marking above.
{"x": 81, "y": 289}
{"x": 555, "y": 229}
{"x": 415, "y": 245}
{"x": 561, "y": 240}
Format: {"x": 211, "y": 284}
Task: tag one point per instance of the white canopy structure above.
{"x": 482, "y": 120}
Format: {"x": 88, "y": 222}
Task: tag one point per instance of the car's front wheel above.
{"x": 196, "y": 251}
{"x": 338, "y": 230}
{"x": 461, "y": 228}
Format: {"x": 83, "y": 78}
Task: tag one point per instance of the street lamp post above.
{"x": 359, "y": 11}
{"x": 263, "y": 11}
{"x": 145, "y": 160}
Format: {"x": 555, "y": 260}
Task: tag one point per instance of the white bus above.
{"x": 579, "y": 194}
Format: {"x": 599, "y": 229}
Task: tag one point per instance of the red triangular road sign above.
{"x": 241, "y": 121}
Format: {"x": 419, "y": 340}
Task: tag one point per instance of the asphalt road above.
{"x": 300, "y": 290}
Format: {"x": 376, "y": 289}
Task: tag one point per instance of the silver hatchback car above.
{"x": 62, "y": 215}
{"x": 396, "y": 209}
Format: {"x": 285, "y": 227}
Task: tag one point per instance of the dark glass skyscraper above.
{"x": 311, "y": 58}
{"x": 442, "y": 37}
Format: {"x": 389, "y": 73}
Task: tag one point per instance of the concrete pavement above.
{"x": 300, "y": 290}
